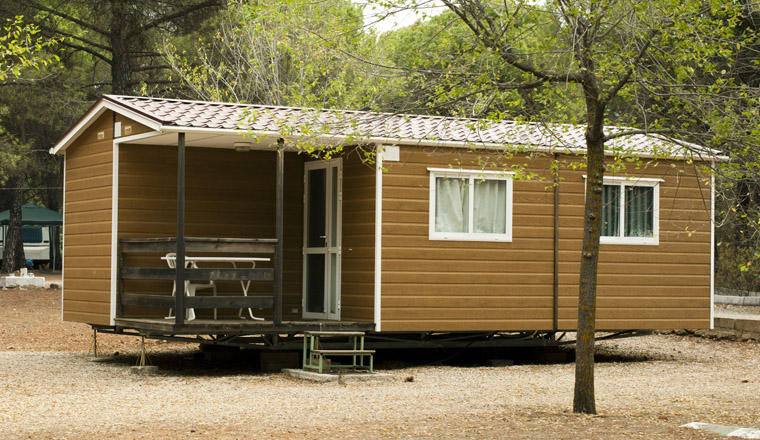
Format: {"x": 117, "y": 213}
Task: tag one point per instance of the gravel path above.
{"x": 646, "y": 387}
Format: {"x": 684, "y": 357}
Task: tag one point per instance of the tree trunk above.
{"x": 121, "y": 74}
{"x": 584, "y": 401}
{"x": 13, "y": 249}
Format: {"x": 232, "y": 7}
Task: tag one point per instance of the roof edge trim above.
{"x": 94, "y": 113}
{"x": 437, "y": 143}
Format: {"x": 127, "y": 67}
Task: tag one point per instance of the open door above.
{"x": 322, "y": 239}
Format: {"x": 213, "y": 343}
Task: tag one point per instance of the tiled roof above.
{"x": 290, "y": 121}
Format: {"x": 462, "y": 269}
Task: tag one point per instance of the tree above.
{"x": 122, "y": 34}
{"x": 20, "y": 49}
{"x": 657, "y": 67}
{"x": 291, "y": 52}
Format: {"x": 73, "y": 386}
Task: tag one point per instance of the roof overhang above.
{"x": 97, "y": 109}
{"x": 226, "y": 138}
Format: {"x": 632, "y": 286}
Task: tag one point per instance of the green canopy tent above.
{"x": 33, "y": 215}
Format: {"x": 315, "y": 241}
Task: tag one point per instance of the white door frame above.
{"x": 332, "y": 196}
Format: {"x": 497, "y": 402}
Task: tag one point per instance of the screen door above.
{"x": 322, "y": 239}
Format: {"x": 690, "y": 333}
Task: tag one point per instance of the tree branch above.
{"x": 170, "y": 17}
{"x": 70, "y": 18}
{"x": 505, "y": 52}
{"x": 74, "y": 37}
{"x": 633, "y": 132}
{"x": 144, "y": 68}
{"x": 88, "y": 50}
{"x": 627, "y": 76}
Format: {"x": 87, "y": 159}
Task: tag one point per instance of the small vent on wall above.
{"x": 101, "y": 135}
{"x": 127, "y": 129}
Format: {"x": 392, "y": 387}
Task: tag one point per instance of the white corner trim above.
{"x": 114, "y": 230}
{"x": 712, "y": 249}
{"x": 63, "y": 240}
{"x": 378, "y": 238}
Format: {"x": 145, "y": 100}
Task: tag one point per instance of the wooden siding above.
{"x": 639, "y": 286}
{"x": 228, "y": 194}
{"x": 430, "y": 285}
{"x": 87, "y": 243}
{"x": 358, "y": 245}
{"x": 131, "y": 126}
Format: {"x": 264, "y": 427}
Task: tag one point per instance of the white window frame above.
{"x": 624, "y": 182}
{"x": 473, "y": 176}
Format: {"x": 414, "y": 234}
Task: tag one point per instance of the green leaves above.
{"x": 294, "y": 53}
{"x": 21, "y": 48}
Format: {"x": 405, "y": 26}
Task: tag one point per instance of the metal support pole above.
{"x": 94, "y": 342}
{"x": 179, "y": 298}
{"x": 143, "y": 359}
{"x": 279, "y": 208}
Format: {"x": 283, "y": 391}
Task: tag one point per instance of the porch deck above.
{"x": 236, "y": 326}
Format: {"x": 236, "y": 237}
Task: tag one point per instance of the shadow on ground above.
{"x": 223, "y": 361}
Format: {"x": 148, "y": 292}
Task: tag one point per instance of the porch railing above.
{"x": 161, "y": 246}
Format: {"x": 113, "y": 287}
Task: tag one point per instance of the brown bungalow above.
{"x": 436, "y": 238}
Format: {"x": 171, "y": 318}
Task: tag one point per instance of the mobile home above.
{"x": 394, "y": 224}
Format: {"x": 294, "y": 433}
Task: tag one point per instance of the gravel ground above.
{"x": 740, "y": 312}
{"x": 646, "y": 387}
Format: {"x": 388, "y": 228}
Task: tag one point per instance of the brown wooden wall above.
{"x": 87, "y": 242}
{"x": 228, "y": 194}
{"x": 430, "y": 285}
{"x": 644, "y": 287}
{"x": 358, "y": 245}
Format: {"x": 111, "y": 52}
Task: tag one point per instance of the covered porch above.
{"x": 264, "y": 255}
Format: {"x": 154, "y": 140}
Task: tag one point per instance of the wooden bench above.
{"x": 316, "y": 358}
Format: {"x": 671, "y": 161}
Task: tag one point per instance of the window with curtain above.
{"x": 630, "y": 211}
{"x": 470, "y": 205}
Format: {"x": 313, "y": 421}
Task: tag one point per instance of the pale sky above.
{"x": 400, "y": 18}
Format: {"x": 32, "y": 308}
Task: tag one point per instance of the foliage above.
{"x": 656, "y": 67}
{"x": 118, "y": 36}
{"x": 21, "y": 47}
{"x": 449, "y": 72}
{"x": 291, "y": 52}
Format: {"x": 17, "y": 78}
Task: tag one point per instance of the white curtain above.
{"x": 611, "y": 211}
{"x": 490, "y": 207}
{"x": 451, "y": 205}
{"x": 639, "y": 208}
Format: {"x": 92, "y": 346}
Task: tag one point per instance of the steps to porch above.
{"x": 316, "y": 356}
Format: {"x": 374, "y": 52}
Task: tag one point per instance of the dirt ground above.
{"x": 646, "y": 387}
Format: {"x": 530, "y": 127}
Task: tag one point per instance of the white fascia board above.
{"x": 92, "y": 115}
{"x": 340, "y": 139}
{"x": 82, "y": 125}
{"x": 241, "y": 131}
{"x": 150, "y": 123}
{"x": 136, "y": 137}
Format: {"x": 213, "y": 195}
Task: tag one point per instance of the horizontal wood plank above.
{"x": 198, "y": 302}
{"x": 225, "y": 274}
